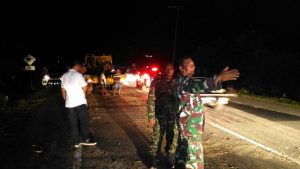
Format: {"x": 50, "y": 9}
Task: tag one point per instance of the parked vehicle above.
{"x": 52, "y": 75}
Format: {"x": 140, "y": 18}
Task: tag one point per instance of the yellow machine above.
{"x": 91, "y": 79}
{"x": 96, "y": 64}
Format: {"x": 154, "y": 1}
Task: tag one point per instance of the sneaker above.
{"x": 88, "y": 142}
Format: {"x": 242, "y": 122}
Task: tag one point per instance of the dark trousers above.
{"x": 79, "y": 122}
{"x": 166, "y": 120}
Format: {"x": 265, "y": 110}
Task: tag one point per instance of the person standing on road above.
{"x": 73, "y": 88}
{"x": 102, "y": 79}
{"x": 161, "y": 114}
{"x": 117, "y": 86}
{"x": 190, "y": 117}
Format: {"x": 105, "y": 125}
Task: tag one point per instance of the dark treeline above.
{"x": 267, "y": 66}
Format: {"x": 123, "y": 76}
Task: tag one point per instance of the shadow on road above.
{"x": 77, "y": 158}
{"x": 137, "y": 137}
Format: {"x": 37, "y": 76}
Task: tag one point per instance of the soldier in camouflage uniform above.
{"x": 190, "y": 117}
{"x": 161, "y": 115}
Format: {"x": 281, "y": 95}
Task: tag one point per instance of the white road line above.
{"x": 253, "y": 142}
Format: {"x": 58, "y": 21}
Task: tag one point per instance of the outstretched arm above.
{"x": 190, "y": 85}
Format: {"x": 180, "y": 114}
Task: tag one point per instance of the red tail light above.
{"x": 154, "y": 69}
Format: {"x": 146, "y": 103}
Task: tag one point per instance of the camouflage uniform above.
{"x": 162, "y": 108}
{"x": 190, "y": 120}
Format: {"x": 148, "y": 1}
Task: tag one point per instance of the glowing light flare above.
{"x": 132, "y": 78}
{"x": 47, "y": 77}
{"x": 154, "y": 69}
{"x": 145, "y": 76}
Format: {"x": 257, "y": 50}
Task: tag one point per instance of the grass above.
{"x": 21, "y": 107}
{"x": 282, "y": 100}
{"x": 34, "y": 100}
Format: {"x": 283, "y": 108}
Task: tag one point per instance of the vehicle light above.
{"x": 47, "y": 77}
{"x": 145, "y": 76}
{"x": 154, "y": 69}
{"x": 44, "y": 82}
{"x": 137, "y": 77}
{"x": 132, "y": 78}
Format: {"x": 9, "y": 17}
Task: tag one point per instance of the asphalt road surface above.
{"x": 235, "y": 137}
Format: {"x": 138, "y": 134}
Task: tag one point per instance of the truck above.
{"x": 96, "y": 64}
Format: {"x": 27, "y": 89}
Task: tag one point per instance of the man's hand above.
{"x": 227, "y": 74}
{"x": 151, "y": 122}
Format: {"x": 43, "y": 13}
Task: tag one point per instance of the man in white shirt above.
{"x": 73, "y": 88}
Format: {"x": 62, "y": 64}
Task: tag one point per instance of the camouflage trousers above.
{"x": 164, "y": 124}
{"x": 189, "y": 151}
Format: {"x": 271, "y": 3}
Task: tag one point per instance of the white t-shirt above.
{"x": 73, "y": 81}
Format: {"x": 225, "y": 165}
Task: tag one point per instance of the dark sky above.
{"x": 48, "y": 29}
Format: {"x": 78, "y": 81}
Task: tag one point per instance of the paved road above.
{"x": 277, "y": 131}
{"x": 120, "y": 126}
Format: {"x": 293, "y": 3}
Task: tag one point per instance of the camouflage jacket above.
{"x": 187, "y": 93}
{"x": 161, "y": 93}
{"x": 192, "y": 86}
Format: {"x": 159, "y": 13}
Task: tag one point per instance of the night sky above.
{"x": 49, "y": 29}
{"x": 231, "y": 32}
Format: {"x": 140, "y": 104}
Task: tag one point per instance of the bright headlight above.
{"x": 46, "y": 77}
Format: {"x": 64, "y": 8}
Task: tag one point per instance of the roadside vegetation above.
{"x": 280, "y": 100}
{"x": 12, "y": 110}
{"x": 268, "y": 66}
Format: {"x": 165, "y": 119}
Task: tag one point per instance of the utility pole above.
{"x": 175, "y": 30}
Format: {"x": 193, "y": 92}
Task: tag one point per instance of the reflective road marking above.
{"x": 253, "y": 142}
